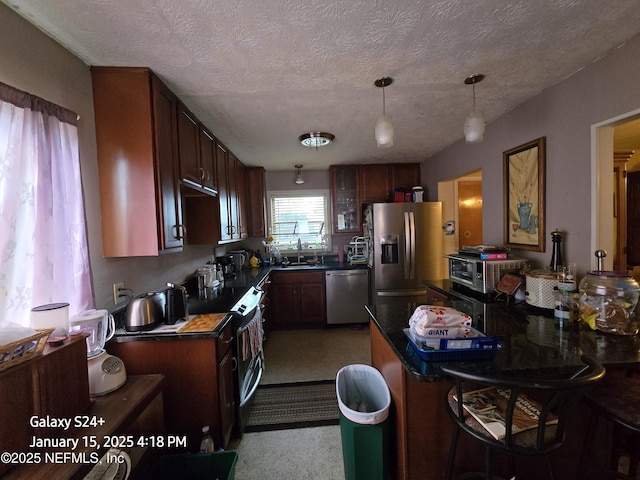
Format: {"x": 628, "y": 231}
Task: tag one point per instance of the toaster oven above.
{"x": 481, "y": 275}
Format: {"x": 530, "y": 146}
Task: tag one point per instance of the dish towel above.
{"x": 252, "y": 339}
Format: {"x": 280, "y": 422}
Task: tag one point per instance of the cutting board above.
{"x": 205, "y": 322}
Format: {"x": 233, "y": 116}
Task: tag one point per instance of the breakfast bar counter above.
{"x": 530, "y": 342}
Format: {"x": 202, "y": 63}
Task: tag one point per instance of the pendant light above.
{"x": 474, "y": 124}
{"x": 384, "y": 127}
{"x": 299, "y": 179}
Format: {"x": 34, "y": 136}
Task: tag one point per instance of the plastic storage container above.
{"x": 364, "y": 401}
{"x": 608, "y": 301}
{"x": 206, "y": 444}
{"x": 198, "y": 466}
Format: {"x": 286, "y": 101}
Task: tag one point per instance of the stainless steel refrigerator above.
{"x": 406, "y": 248}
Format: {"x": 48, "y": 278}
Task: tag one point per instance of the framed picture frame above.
{"x": 524, "y": 196}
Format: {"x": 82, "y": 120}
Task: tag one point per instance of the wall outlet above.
{"x": 117, "y": 288}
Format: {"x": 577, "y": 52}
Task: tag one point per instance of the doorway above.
{"x": 615, "y": 156}
{"x": 461, "y": 199}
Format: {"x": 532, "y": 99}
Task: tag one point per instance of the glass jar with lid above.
{"x": 608, "y": 301}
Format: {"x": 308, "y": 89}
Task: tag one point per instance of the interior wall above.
{"x": 564, "y": 115}
{"x": 33, "y": 62}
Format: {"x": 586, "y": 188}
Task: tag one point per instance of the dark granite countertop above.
{"x": 210, "y": 301}
{"x": 529, "y": 337}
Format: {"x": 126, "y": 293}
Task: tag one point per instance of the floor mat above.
{"x": 294, "y": 405}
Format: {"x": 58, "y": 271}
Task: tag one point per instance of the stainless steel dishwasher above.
{"x": 347, "y": 294}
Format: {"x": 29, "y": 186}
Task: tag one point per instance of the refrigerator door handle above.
{"x": 412, "y": 227}
{"x": 401, "y": 293}
{"x": 407, "y": 246}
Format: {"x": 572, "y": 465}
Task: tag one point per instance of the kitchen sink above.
{"x": 299, "y": 264}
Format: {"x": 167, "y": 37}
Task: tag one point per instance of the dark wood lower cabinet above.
{"x": 298, "y": 299}
{"x": 422, "y": 428}
{"x": 198, "y": 382}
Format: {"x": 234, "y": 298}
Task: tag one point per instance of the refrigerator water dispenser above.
{"x": 389, "y": 248}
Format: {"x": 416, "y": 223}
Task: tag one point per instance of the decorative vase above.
{"x": 524, "y": 211}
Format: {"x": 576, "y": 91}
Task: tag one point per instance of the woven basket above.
{"x": 25, "y": 349}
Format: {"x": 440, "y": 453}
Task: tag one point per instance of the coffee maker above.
{"x": 228, "y": 265}
{"x": 176, "y": 304}
{"x": 106, "y": 372}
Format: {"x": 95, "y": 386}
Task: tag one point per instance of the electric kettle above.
{"x": 239, "y": 259}
{"x": 145, "y": 311}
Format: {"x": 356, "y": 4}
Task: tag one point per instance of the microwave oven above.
{"x": 481, "y": 275}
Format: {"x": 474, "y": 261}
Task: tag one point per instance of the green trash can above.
{"x": 364, "y": 401}
{"x": 196, "y": 466}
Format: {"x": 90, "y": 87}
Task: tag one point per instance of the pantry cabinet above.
{"x": 136, "y": 136}
{"x": 298, "y": 299}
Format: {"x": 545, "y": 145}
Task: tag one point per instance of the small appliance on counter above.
{"x": 227, "y": 265}
{"x": 106, "y": 372}
{"x": 481, "y": 275}
{"x": 176, "y": 304}
{"x": 541, "y": 287}
{"x": 145, "y": 311}
{"x": 240, "y": 257}
{"x": 51, "y": 315}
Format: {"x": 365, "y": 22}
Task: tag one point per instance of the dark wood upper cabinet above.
{"x": 376, "y": 184}
{"x": 353, "y": 186}
{"x": 345, "y": 199}
{"x": 207, "y": 144}
{"x": 136, "y": 136}
{"x": 405, "y": 175}
{"x": 196, "y": 152}
{"x": 257, "y": 202}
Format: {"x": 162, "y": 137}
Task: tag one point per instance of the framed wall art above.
{"x": 524, "y": 196}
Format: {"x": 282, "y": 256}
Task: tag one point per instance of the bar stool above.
{"x": 616, "y": 401}
{"x": 552, "y": 393}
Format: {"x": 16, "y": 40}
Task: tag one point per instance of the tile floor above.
{"x": 307, "y": 453}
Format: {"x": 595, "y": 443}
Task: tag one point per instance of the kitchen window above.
{"x": 297, "y": 215}
{"x": 43, "y": 239}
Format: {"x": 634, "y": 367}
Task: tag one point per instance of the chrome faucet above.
{"x": 299, "y": 249}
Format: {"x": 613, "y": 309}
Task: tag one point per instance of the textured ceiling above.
{"x": 260, "y": 73}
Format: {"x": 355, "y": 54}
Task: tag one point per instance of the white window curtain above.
{"x": 43, "y": 240}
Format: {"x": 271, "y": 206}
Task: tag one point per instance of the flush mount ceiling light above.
{"x": 474, "y": 124}
{"x": 299, "y": 179}
{"x": 384, "y": 127}
{"x": 316, "y": 139}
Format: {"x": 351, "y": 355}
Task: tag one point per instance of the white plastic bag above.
{"x": 363, "y": 395}
{"x": 432, "y": 317}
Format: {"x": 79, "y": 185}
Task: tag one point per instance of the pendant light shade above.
{"x": 384, "y": 126}
{"x": 384, "y": 131}
{"x": 299, "y": 179}
{"x": 474, "y": 124}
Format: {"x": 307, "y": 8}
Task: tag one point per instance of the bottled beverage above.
{"x": 206, "y": 445}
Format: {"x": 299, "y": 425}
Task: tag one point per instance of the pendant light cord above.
{"x": 384, "y": 113}
{"x": 473, "y": 86}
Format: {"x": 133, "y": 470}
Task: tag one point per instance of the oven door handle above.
{"x": 254, "y": 387}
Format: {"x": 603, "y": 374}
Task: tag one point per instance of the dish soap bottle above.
{"x": 206, "y": 445}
